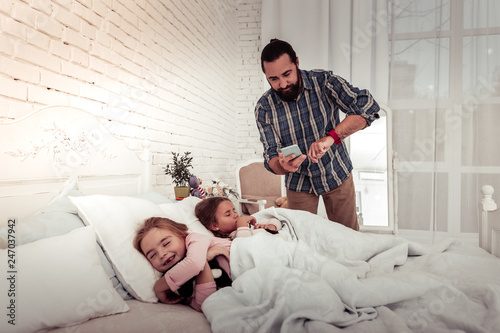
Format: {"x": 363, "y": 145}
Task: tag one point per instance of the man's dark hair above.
{"x": 275, "y": 49}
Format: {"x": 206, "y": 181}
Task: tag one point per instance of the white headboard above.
{"x": 57, "y": 145}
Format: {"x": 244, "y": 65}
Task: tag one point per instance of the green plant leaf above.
{"x": 179, "y": 169}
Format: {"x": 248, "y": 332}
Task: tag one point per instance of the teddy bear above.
{"x": 221, "y": 279}
{"x": 196, "y": 190}
{"x": 282, "y": 202}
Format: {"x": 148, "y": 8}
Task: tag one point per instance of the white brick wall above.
{"x": 250, "y": 79}
{"x": 178, "y": 72}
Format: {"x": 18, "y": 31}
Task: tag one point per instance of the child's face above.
{"x": 226, "y": 217}
{"x": 163, "y": 248}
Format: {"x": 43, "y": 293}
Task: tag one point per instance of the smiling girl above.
{"x": 181, "y": 256}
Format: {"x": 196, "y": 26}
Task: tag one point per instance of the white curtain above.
{"x": 346, "y": 36}
{"x": 444, "y": 92}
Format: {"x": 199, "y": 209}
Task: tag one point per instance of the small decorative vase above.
{"x": 182, "y": 192}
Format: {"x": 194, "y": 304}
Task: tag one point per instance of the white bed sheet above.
{"x": 335, "y": 279}
{"x": 146, "y": 318}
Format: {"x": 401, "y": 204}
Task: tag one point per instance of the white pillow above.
{"x": 183, "y": 212}
{"x": 115, "y": 220}
{"x": 58, "y": 217}
{"x": 70, "y": 186}
{"x": 154, "y": 197}
{"x": 58, "y": 281}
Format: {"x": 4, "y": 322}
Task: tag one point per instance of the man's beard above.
{"x": 292, "y": 93}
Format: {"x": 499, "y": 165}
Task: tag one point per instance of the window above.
{"x": 445, "y": 97}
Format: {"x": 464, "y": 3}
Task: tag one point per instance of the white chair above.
{"x": 258, "y": 187}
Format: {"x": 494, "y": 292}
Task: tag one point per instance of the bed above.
{"x": 72, "y": 194}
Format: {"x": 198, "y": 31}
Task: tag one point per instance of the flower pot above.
{"x": 182, "y": 192}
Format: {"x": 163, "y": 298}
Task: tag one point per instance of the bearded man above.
{"x": 303, "y": 108}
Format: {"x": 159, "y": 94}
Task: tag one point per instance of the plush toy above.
{"x": 282, "y": 202}
{"x": 196, "y": 190}
{"x": 221, "y": 279}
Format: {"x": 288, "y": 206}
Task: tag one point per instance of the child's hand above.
{"x": 245, "y": 221}
{"x": 161, "y": 287}
{"x": 265, "y": 226}
{"x": 173, "y": 298}
{"x": 217, "y": 251}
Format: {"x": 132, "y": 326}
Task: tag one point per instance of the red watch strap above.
{"x": 335, "y": 137}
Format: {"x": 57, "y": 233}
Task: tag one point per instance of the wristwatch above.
{"x": 335, "y": 137}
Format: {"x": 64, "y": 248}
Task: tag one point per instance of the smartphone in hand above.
{"x": 293, "y": 149}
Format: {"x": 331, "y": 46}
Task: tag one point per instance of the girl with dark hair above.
{"x": 218, "y": 215}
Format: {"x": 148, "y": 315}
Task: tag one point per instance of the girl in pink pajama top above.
{"x": 166, "y": 243}
{"x": 218, "y": 215}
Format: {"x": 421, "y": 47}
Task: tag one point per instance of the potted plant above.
{"x": 179, "y": 171}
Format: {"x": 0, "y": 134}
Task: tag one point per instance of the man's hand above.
{"x": 350, "y": 125}
{"x": 285, "y": 164}
{"x": 319, "y": 148}
{"x": 215, "y": 251}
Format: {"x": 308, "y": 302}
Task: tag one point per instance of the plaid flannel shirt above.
{"x": 309, "y": 118}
